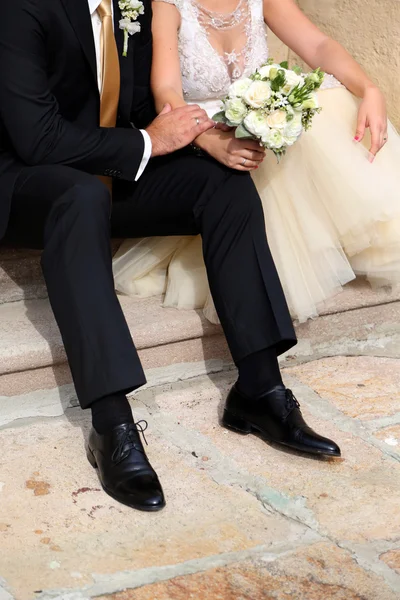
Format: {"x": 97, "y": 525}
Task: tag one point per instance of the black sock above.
{"x": 110, "y": 411}
{"x": 259, "y": 373}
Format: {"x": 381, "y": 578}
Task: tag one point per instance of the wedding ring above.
{"x": 197, "y": 121}
{"x": 244, "y": 162}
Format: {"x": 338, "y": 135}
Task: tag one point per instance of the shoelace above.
{"x": 128, "y": 442}
{"x": 291, "y": 400}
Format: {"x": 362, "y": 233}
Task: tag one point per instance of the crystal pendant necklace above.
{"x": 209, "y": 19}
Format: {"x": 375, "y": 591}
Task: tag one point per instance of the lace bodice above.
{"x": 206, "y": 72}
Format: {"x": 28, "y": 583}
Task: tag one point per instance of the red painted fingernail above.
{"x": 357, "y": 138}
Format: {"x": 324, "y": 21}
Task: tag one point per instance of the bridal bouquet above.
{"x": 274, "y": 105}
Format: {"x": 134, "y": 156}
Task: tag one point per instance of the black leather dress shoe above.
{"x": 124, "y": 469}
{"x": 277, "y": 417}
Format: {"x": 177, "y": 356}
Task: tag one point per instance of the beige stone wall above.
{"x": 369, "y": 30}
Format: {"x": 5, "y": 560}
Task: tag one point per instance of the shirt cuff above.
{"x": 146, "y": 153}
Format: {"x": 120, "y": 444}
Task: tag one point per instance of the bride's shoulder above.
{"x": 182, "y": 6}
{"x": 177, "y": 3}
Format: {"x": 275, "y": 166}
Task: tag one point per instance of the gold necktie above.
{"x": 111, "y": 79}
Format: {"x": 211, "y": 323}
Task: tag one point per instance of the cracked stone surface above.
{"x": 392, "y": 558}
{"x": 317, "y": 572}
{"x": 361, "y": 386}
{"x": 244, "y": 519}
{"x": 391, "y": 437}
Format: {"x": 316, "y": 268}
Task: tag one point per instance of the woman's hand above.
{"x": 223, "y": 127}
{"x": 372, "y": 114}
{"x": 243, "y": 155}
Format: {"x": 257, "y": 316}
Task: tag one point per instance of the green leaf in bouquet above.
{"x": 220, "y": 117}
{"x": 297, "y": 95}
{"x": 243, "y": 134}
{"x": 279, "y": 153}
{"x": 278, "y": 81}
{"x": 284, "y": 64}
{"x": 300, "y": 94}
{"x": 297, "y": 69}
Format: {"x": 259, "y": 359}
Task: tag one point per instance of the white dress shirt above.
{"x": 96, "y": 24}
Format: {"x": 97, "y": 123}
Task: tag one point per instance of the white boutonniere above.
{"x": 130, "y": 11}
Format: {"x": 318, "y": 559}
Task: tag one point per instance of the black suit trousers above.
{"x": 67, "y": 213}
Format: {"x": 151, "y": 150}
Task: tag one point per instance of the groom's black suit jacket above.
{"x": 49, "y": 98}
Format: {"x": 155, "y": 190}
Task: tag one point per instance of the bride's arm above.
{"x": 291, "y": 26}
{"x": 166, "y": 86}
{"x": 166, "y": 80}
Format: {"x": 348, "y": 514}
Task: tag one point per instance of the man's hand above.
{"x": 175, "y": 129}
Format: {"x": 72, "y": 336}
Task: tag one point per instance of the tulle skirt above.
{"x": 330, "y": 215}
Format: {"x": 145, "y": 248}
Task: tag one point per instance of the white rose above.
{"x": 292, "y": 80}
{"x": 289, "y": 141}
{"x": 311, "y": 102}
{"x": 256, "y": 123}
{"x": 264, "y": 71}
{"x": 257, "y": 94}
{"x": 239, "y": 87}
{"x": 273, "y": 139}
{"x": 235, "y": 110}
{"x": 293, "y": 128}
{"x": 277, "y": 119}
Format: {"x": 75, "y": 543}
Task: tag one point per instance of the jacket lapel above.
{"x": 126, "y": 64}
{"x": 79, "y": 16}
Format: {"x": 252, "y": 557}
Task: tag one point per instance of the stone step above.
{"x": 360, "y": 294}
{"x": 172, "y": 344}
{"x": 21, "y": 279}
{"x": 30, "y": 338}
{"x": 175, "y": 345}
{"x": 21, "y": 275}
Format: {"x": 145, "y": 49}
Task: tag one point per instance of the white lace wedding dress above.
{"x": 330, "y": 214}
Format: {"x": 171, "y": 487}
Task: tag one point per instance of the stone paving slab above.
{"x": 391, "y": 437}
{"x": 243, "y": 517}
{"x": 317, "y": 572}
{"x": 326, "y": 493}
{"x": 392, "y": 558}
{"x": 363, "y": 387}
{"x": 57, "y": 527}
